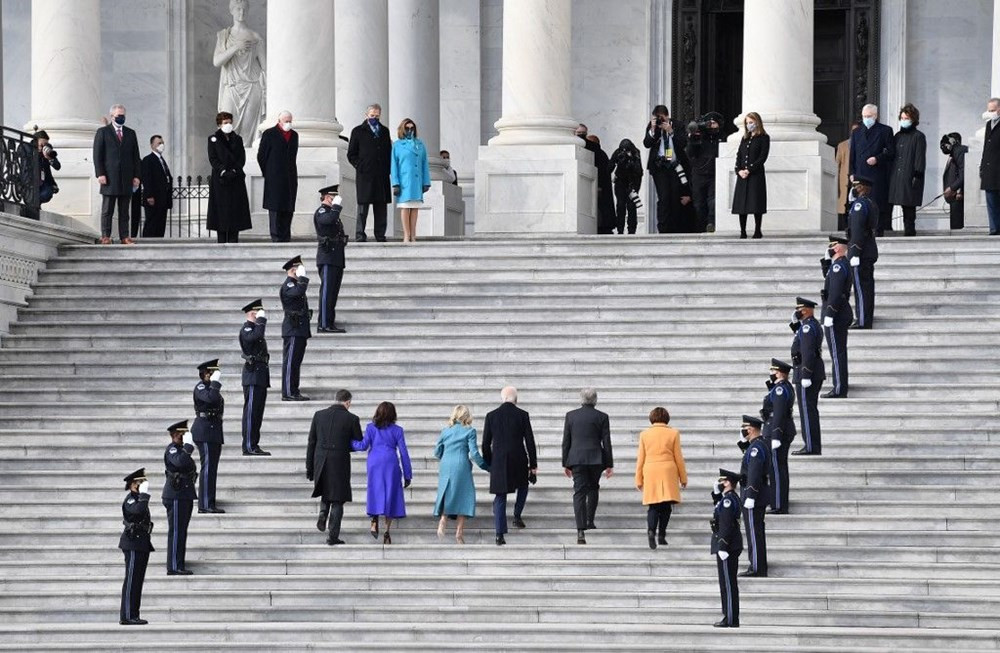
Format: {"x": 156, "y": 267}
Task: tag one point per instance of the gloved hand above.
{"x": 828, "y": 321}
{"x": 794, "y": 326}
{"x": 775, "y": 443}
{"x": 807, "y": 383}
{"x": 824, "y": 263}
{"x": 723, "y": 555}
{"x": 749, "y": 503}
{"x": 300, "y": 271}
{"x": 718, "y": 488}
{"x": 188, "y": 447}
{"x": 216, "y": 375}
{"x": 338, "y": 200}
{"x": 396, "y": 190}
{"x": 406, "y": 483}
{"x": 426, "y": 188}
{"x": 855, "y": 261}
{"x": 262, "y": 314}
{"x": 144, "y": 487}
{"x": 188, "y": 440}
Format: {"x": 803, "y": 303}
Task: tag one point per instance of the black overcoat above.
{"x": 874, "y": 142}
{"x": 157, "y": 182}
{"x": 906, "y": 181}
{"x": 278, "y": 163}
{"x": 750, "y": 194}
{"x": 989, "y": 166}
{"x": 508, "y": 448}
{"x": 119, "y": 162}
{"x": 228, "y": 204}
{"x": 328, "y": 456}
{"x": 371, "y": 157}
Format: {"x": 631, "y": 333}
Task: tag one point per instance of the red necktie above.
{"x": 119, "y": 132}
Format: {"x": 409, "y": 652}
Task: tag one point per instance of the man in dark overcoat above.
{"x": 370, "y": 152}
{"x": 509, "y": 450}
{"x": 277, "y": 154}
{"x": 989, "y": 165}
{"x": 873, "y": 149}
{"x": 157, "y": 189}
{"x": 328, "y": 461}
{"x": 117, "y": 167}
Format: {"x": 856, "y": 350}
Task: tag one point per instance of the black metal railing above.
{"x": 187, "y": 218}
{"x": 19, "y": 173}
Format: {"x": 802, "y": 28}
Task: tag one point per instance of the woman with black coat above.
{"x": 228, "y": 204}
{"x": 626, "y": 165}
{"x": 906, "y": 179}
{"x": 750, "y": 195}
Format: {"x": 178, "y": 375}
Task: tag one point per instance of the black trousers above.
{"x": 329, "y": 289}
{"x": 156, "y": 222}
{"x": 334, "y": 512}
{"x": 668, "y": 201}
{"x": 209, "y": 453}
{"x": 728, "y": 588}
{"x": 135, "y": 574}
{"x": 956, "y": 211}
{"x": 909, "y": 219}
{"x": 379, "y": 211}
{"x": 808, "y": 401}
{"x": 658, "y": 516}
{"x": 109, "y": 203}
{"x": 703, "y": 196}
{"x": 753, "y": 521}
{"x": 293, "y": 351}
{"x": 624, "y": 207}
{"x": 586, "y": 492}
{"x": 779, "y": 477}
{"x": 178, "y": 517}
{"x": 281, "y": 226}
{"x": 135, "y": 212}
{"x": 884, "y": 218}
{"x": 836, "y": 344}
{"x": 254, "y": 398}
{"x": 863, "y": 277}
{"x": 228, "y": 236}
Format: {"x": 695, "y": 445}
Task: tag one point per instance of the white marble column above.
{"x": 66, "y": 97}
{"x": 975, "y": 198}
{"x": 301, "y": 79}
{"x": 362, "y": 50}
{"x": 778, "y": 84}
{"x": 535, "y": 176}
{"x": 415, "y": 91}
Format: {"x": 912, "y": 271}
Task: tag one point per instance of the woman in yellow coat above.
{"x": 659, "y": 473}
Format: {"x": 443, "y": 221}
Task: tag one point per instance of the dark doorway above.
{"x": 708, "y": 60}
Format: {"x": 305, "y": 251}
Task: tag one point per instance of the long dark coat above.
{"x": 328, "y": 456}
{"x": 278, "y": 163}
{"x": 371, "y": 157}
{"x": 119, "y": 162}
{"x": 989, "y": 166}
{"x": 508, "y": 448}
{"x": 228, "y": 204}
{"x": 875, "y": 142}
{"x": 906, "y": 181}
{"x": 750, "y": 195}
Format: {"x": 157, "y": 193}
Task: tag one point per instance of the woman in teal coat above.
{"x": 410, "y": 175}
{"x": 456, "y": 495}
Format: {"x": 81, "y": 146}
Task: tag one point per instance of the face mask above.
{"x": 946, "y": 148}
{"x": 227, "y": 128}
{"x": 447, "y": 163}
{"x": 287, "y": 126}
{"x": 751, "y": 126}
{"x": 744, "y": 432}
{"x": 773, "y": 377}
{"x": 797, "y": 316}
{"x": 989, "y": 115}
{"x": 144, "y": 487}
{"x": 830, "y": 253}
{"x": 160, "y": 148}
{"x": 905, "y": 124}
{"x": 868, "y": 122}
{"x": 373, "y": 121}
{"x": 409, "y": 132}
{"x": 119, "y": 120}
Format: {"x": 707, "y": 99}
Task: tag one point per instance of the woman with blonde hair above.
{"x": 456, "y": 495}
{"x": 750, "y": 194}
{"x": 659, "y": 473}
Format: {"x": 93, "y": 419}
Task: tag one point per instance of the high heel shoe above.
{"x": 374, "y": 529}
{"x": 386, "y": 539}
{"x": 460, "y": 538}
{"x": 743, "y": 235}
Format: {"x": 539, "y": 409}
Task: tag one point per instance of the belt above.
{"x": 209, "y": 415}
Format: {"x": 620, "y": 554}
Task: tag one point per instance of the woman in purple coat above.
{"x": 383, "y": 438}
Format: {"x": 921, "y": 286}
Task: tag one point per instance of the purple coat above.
{"x": 385, "y": 480}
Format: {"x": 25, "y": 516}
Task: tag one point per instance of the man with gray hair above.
{"x": 509, "y": 451}
{"x": 989, "y": 167}
{"x": 116, "y": 166}
{"x": 370, "y": 152}
{"x": 586, "y": 452}
{"x": 277, "y": 155}
{"x": 873, "y": 149}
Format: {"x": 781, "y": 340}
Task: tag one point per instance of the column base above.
{"x": 535, "y": 189}
{"x": 801, "y": 188}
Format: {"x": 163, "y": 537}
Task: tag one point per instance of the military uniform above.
{"x": 807, "y": 357}
{"x": 256, "y": 378}
{"x": 295, "y": 331}
{"x": 178, "y": 498}
{"x": 727, "y": 539}
{"x": 862, "y": 253}
{"x": 136, "y": 544}
{"x": 329, "y": 260}
{"x": 779, "y": 432}
{"x": 207, "y": 434}
{"x": 755, "y": 492}
{"x": 837, "y": 318}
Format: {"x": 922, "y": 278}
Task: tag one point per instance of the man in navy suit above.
{"x": 116, "y": 166}
{"x": 873, "y": 149}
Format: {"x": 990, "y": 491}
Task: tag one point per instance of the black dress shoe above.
{"x": 380, "y": 240}
{"x": 832, "y": 395}
{"x": 333, "y": 541}
{"x": 751, "y": 574}
{"x": 803, "y": 452}
{"x": 591, "y": 526}
{"x": 500, "y": 540}
{"x": 662, "y": 540}
{"x": 581, "y": 537}
{"x": 651, "y": 536}
{"x": 260, "y": 452}
{"x": 179, "y": 572}
{"x": 300, "y": 397}
{"x": 133, "y": 622}
{"x": 519, "y": 523}
{"x": 333, "y": 329}
{"x": 721, "y": 624}
{"x": 360, "y": 238}
{"x": 213, "y": 509}
{"x": 287, "y": 398}
{"x": 778, "y": 512}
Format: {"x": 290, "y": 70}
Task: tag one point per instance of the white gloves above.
{"x": 301, "y": 271}
{"x": 826, "y": 255}
{"x": 775, "y": 443}
{"x": 188, "y": 438}
{"x": 262, "y": 313}
{"x": 144, "y": 487}
{"x": 718, "y": 488}
{"x": 749, "y": 504}
{"x": 216, "y": 375}
{"x": 338, "y": 200}
{"x": 828, "y": 321}
{"x": 855, "y": 261}
{"x": 806, "y": 383}
{"x": 723, "y": 555}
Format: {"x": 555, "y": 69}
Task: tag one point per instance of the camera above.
{"x": 49, "y": 152}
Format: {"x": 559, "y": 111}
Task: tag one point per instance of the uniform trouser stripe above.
{"x": 835, "y": 355}
{"x": 804, "y": 412}
{"x": 206, "y": 462}
{"x": 174, "y": 542}
{"x": 753, "y": 538}
{"x": 286, "y": 379}
{"x": 859, "y": 296}
{"x": 729, "y": 591}
{"x": 777, "y": 479}
{"x": 248, "y": 420}
{"x": 324, "y": 269}
{"x": 128, "y": 584}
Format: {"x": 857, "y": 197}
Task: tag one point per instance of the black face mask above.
{"x": 745, "y": 432}
{"x": 774, "y": 377}
{"x": 830, "y": 252}
{"x": 797, "y": 315}
{"x": 946, "y": 148}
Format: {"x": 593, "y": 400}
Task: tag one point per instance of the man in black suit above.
{"x": 668, "y": 165}
{"x": 116, "y": 166}
{"x": 586, "y": 452}
{"x": 277, "y": 155}
{"x": 328, "y": 461}
{"x": 157, "y": 189}
{"x": 370, "y": 152}
{"x": 989, "y": 167}
{"x": 509, "y": 451}
{"x": 873, "y": 149}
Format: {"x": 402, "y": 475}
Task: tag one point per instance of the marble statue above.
{"x": 239, "y": 53}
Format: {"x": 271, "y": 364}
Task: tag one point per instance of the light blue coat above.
{"x": 456, "y": 493}
{"x": 410, "y": 170}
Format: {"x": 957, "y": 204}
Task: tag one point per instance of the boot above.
{"x": 651, "y": 536}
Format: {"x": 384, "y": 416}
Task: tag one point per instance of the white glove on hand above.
{"x": 723, "y": 555}
{"x": 301, "y": 271}
{"x": 828, "y": 321}
{"x": 855, "y": 261}
{"x": 144, "y": 487}
{"x": 338, "y": 200}
{"x": 262, "y": 313}
{"x": 718, "y": 488}
{"x": 216, "y": 375}
{"x": 806, "y": 383}
{"x": 775, "y": 444}
{"x": 826, "y": 255}
{"x": 188, "y": 438}
{"x": 749, "y": 504}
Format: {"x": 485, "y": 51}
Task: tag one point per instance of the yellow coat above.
{"x": 659, "y": 466}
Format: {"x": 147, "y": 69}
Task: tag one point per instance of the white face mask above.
{"x": 989, "y": 115}
{"x": 227, "y": 128}
{"x": 160, "y": 148}
{"x": 287, "y": 126}
{"x": 751, "y": 126}
{"x": 144, "y": 487}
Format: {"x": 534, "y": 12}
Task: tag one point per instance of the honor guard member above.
{"x": 178, "y": 496}
{"x": 779, "y": 431}
{"x": 207, "y": 431}
{"x": 727, "y": 545}
{"x": 136, "y": 544}
{"x": 256, "y": 376}
{"x": 329, "y": 257}
{"x": 756, "y": 491}
{"x": 837, "y": 315}
{"x": 809, "y": 373}
{"x": 862, "y": 250}
{"x": 295, "y": 331}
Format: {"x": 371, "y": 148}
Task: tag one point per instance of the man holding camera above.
{"x": 703, "y": 150}
{"x": 116, "y": 166}
{"x": 668, "y": 166}
{"x": 47, "y": 160}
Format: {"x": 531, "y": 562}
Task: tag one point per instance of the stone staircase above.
{"x": 891, "y": 544}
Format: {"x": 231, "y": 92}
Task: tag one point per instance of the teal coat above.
{"x": 456, "y": 493}
{"x": 410, "y": 169}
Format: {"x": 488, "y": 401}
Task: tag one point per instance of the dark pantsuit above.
{"x": 293, "y": 350}
{"x": 884, "y": 218}
{"x": 753, "y": 521}
{"x": 178, "y": 517}
{"x": 379, "y": 212}
{"x": 500, "y": 509}
{"x": 658, "y": 516}
{"x": 109, "y": 203}
{"x": 779, "y": 478}
{"x": 623, "y": 207}
{"x": 836, "y": 343}
{"x": 135, "y": 574}
{"x": 227, "y": 236}
{"x": 254, "y": 398}
{"x": 156, "y": 222}
{"x": 863, "y": 278}
{"x": 668, "y": 201}
{"x": 329, "y": 288}
{"x": 209, "y": 453}
{"x": 280, "y": 225}
{"x": 808, "y": 401}
{"x": 728, "y": 588}
{"x": 334, "y": 512}
{"x": 703, "y": 196}
{"x": 586, "y": 491}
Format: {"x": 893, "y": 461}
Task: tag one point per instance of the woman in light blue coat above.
{"x": 456, "y": 495}
{"x": 410, "y": 175}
